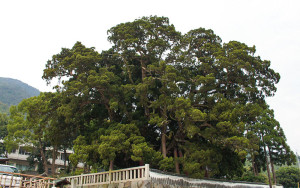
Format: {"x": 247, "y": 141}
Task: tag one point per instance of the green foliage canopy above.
{"x": 181, "y": 102}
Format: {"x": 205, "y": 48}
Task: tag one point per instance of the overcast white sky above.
{"x": 32, "y": 31}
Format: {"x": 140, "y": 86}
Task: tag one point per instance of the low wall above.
{"x": 161, "y": 180}
{"x": 168, "y": 183}
{"x": 143, "y": 177}
{"x": 164, "y": 182}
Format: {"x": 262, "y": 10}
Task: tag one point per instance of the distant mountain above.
{"x": 13, "y": 91}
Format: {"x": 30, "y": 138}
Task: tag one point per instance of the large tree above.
{"x": 190, "y": 97}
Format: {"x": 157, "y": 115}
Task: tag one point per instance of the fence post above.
{"x": 73, "y": 183}
{"x": 109, "y": 176}
{"x": 147, "y": 171}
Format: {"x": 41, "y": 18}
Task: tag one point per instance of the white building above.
{"x": 18, "y": 158}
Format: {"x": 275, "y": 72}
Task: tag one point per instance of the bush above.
{"x": 288, "y": 176}
{"x": 250, "y": 177}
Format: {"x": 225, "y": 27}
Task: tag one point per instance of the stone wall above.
{"x": 170, "y": 183}
{"x": 162, "y": 180}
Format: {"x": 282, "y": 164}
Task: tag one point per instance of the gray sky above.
{"x": 32, "y": 31}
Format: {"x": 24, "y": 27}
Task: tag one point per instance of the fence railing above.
{"x": 8, "y": 179}
{"x": 115, "y": 176}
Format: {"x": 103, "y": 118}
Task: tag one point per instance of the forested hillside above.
{"x": 13, "y": 91}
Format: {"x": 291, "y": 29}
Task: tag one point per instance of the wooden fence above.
{"x": 12, "y": 180}
{"x": 133, "y": 175}
{"x": 115, "y": 176}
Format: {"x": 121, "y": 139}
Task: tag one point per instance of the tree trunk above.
{"x": 268, "y": 169}
{"x": 273, "y": 172}
{"x": 256, "y": 169}
{"x": 65, "y": 159}
{"x": 128, "y": 70}
{"x": 147, "y": 113}
{"x": 164, "y": 141}
{"x": 206, "y": 172}
{"x": 254, "y": 166}
{"x": 176, "y": 161}
{"x": 106, "y": 104}
{"x": 181, "y": 156}
{"x": 272, "y": 167}
{"x": 43, "y": 157}
{"x": 54, "y": 155}
{"x": 267, "y": 161}
{"x": 111, "y": 165}
{"x": 143, "y": 66}
{"x": 141, "y": 163}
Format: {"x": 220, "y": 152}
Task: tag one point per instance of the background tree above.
{"x": 288, "y": 176}
{"x": 17, "y": 133}
{"x": 34, "y": 123}
{"x": 272, "y": 142}
{"x": 3, "y": 125}
{"x": 3, "y": 131}
{"x": 278, "y": 150}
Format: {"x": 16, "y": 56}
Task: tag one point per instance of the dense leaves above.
{"x": 250, "y": 177}
{"x": 35, "y": 124}
{"x": 180, "y": 102}
{"x": 3, "y": 125}
{"x": 3, "y": 131}
{"x": 288, "y": 176}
